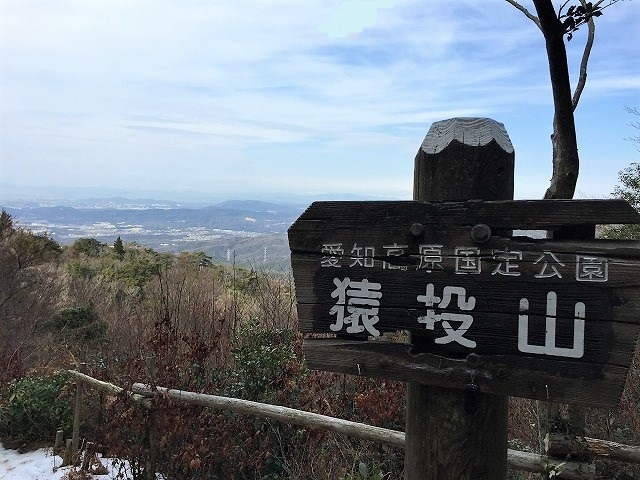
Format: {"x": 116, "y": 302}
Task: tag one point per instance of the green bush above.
{"x": 79, "y": 324}
{"x": 89, "y": 246}
{"x": 72, "y": 318}
{"x": 262, "y": 356}
{"x": 80, "y": 269}
{"x": 32, "y": 409}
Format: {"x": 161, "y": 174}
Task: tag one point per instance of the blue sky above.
{"x": 308, "y": 97}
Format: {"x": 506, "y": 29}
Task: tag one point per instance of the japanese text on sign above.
{"x": 357, "y": 305}
{"x": 466, "y": 260}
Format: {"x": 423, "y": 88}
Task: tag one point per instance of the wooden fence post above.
{"x": 151, "y": 425}
{"x": 58, "y": 445}
{"x": 67, "y": 457}
{"x": 455, "y": 434}
{"x": 77, "y": 415}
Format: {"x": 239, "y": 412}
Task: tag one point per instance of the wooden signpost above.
{"x": 488, "y": 312}
{"x": 535, "y": 318}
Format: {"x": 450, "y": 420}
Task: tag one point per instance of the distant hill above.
{"x": 237, "y": 216}
{"x": 78, "y": 196}
{"x": 244, "y": 231}
{"x": 255, "y": 206}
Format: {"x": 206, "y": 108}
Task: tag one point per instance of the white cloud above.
{"x": 206, "y": 83}
{"x": 353, "y": 16}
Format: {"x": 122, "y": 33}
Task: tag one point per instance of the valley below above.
{"x": 245, "y": 232}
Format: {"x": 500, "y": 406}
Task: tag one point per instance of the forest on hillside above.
{"x": 209, "y": 328}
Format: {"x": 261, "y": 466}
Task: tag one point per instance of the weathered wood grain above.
{"x": 546, "y": 319}
{"x": 109, "y": 387}
{"x": 337, "y": 242}
{"x": 556, "y": 444}
{"x": 618, "y": 298}
{"x": 457, "y": 442}
{"x": 610, "y": 343}
{"x": 277, "y": 412}
{"x": 567, "y": 470}
{"x": 623, "y": 258}
{"x": 464, "y": 158}
{"x": 541, "y": 379}
{"x": 498, "y": 214}
{"x": 475, "y": 132}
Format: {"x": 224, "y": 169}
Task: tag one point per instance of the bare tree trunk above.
{"x": 564, "y": 142}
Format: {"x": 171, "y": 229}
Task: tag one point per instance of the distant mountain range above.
{"x": 247, "y": 232}
{"x": 77, "y": 196}
{"x": 244, "y": 231}
{"x": 248, "y": 216}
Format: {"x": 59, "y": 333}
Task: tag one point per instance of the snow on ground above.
{"x": 39, "y": 465}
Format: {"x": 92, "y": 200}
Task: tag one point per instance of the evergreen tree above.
{"x": 89, "y": 246}
{"x": 6, "y": 224}
{"x": 118, "y": 247}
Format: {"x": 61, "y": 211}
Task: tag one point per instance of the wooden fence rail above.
{"x": 517, "y": 460}
{"x": 561, "y": 444}
{"x": 109, "y": 387}
{"x": 282, "y": 414}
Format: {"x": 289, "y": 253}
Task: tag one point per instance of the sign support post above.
{"x": 454, "y": 434}
{"x": 490, "y": 312}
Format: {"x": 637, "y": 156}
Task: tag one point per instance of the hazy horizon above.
{"x": 308, "y": 98}
{"x": 11, "y": 194}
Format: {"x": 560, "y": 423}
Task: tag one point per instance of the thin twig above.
{"x": 527, "y": 13}
{"x": 562, "y": 6}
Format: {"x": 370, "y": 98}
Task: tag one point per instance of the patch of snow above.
{"x": 44, "y": 465}
{"x": 37, "y": 465}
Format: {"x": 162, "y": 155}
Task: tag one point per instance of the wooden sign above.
{"x": 538, "y": 318}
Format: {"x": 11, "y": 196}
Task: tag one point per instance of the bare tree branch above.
{"x": 600, "y": 2}
{"x": 562, "y": 8}
{"x": 527, "y": 13}
{"x": 635, "y": 139}
{"x": 582, "y": 79}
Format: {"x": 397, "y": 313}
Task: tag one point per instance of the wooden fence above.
{"x": 517, "y": 460}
